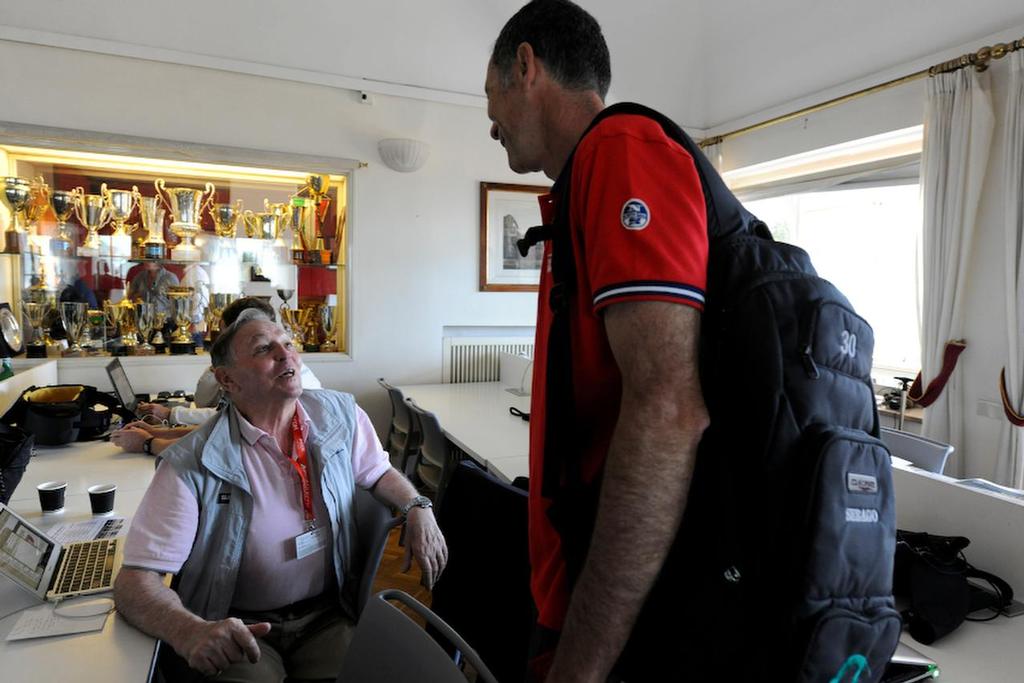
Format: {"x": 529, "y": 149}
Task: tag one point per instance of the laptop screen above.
{"x": 119, "y": 378}
{"x": 24, "y": 552}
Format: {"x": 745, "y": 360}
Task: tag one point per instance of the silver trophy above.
{"x": 145, "y": 319}
{"x": 72, "y": 314}
{"x": 63, "y": 204}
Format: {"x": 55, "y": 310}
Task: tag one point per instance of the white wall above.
{"x": 979, "y": 366}
{"x": 414, "y": 237}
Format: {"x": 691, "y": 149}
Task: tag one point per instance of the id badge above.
{"x": 313, "y": 541}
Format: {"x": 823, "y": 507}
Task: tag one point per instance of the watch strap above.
{"x": 417, "y": 502}
{"x": 147, "y": 446}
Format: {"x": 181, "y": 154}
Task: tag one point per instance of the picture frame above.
{"x": 507, "y": 211}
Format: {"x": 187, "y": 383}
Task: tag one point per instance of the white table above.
{"x": 119, "y": 652}
{"x": 475, "y": 417}
{"x": 925, "y": 501}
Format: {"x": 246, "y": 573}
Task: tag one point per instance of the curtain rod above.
{"x": 979, "y": 60}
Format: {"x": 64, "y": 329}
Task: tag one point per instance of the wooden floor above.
{"x": 389, "y": 575}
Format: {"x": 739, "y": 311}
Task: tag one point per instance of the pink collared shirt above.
{"x": 270, "y": 575}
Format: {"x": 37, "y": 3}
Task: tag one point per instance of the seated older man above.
{"x": 252, "y": 511}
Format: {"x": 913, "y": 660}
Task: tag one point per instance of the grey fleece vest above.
{"x": 209, "y": 462}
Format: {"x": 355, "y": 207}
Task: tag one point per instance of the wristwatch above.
{"x": 417, "y": 502}
{"x": 147, "y": 446}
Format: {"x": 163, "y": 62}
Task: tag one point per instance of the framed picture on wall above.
{"x": 507, "y": 211}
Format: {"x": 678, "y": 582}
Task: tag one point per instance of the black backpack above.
{"x": 62, "y": 413}
{"x": 782, "y": 568}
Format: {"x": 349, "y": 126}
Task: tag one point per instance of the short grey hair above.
{"x": 220, "y": 352}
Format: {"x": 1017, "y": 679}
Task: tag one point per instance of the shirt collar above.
{"x": 251, "y": 433}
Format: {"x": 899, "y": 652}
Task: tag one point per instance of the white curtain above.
{"x": 1010, "y": 465}
{"x": 957, "y": 137}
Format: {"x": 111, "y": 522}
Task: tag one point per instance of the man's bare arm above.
{"x": 424, "y": 540}
{"x": 646, "y": 480}
{"x": 207, "y": 646}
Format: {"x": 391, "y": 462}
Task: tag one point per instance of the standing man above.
{"x": 630, "y": 200}
{"x": 150, "y": 285}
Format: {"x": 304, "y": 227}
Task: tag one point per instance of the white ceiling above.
{"x": 704, "y": 63}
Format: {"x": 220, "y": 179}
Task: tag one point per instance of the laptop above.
{"x": 123, "y": 388}
{"x": 52, "y": 571}
{"x": 908, "y": 665}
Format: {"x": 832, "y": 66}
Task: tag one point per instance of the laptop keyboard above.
{"x": 88, "y": 566}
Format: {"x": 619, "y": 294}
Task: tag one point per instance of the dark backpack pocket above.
{"x": 845, "y": 604}
{"x": 848, "y": 645}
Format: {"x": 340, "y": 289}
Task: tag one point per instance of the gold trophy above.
{"x": 145, "y": 318}
{"x": 159, "y": 320}
{"x": 265, "y": 225}
{"x": 304, "y": 230}
{"x": 290, "y": 317}
{"x": 329, "y": 324}
{"x": 72, "y": 314}
{"x": 152, "y": 214}
{"x": 186, "y": 206}
{"x": 317, "y": 188}
{"x": 127, "y": 320}
{"x": 17, "y": 196}
{"x": 39, "y": 193}
{"x": 120, "y": 205}
{"x": 214, "y": 324}
{"x": 182, "y": 303}
{"x": 225, "y": 218}
{"x": 93, "y": 213}
{"x": 63, "y": 204}
{"x": 310, "y": 326}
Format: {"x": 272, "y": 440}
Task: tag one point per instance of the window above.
{"x": 861, "y": 225}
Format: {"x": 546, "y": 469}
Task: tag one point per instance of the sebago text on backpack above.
{"x": 782, "y": 568}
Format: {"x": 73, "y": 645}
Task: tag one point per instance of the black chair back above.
{"x": 484, "y": 522}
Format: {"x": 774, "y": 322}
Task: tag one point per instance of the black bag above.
{"x": 63, "y": 413}
{"x": 783, "y": 564}
{"x": 931, "y": 574}
{"x": 15, "y": 451}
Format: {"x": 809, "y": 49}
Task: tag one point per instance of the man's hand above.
{"x": 216, "y": 645}
{"x": 424, "y": 541}
{"x": 155, "y": 409}
{"x": 130, "y": 438}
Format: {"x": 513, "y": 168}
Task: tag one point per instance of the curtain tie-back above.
{"x": 949, "y": 357}
{"x": 1011, "y": 414}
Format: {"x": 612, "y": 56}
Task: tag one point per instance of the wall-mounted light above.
{"x": 403, "y": 154}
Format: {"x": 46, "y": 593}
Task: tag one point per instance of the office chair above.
{"x": 924, "y": 453}
{"x": 403, "y": 440}
{"x": 487, "y": 555}
{"x": 437, "y": 458}
{"x": 389, "y": 647}
{"x": 374, "y": 521}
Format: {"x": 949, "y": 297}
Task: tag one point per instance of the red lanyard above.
{"x": 298, "y": 461}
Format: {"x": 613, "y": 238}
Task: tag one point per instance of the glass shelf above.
{"x": 167, "y": 260}
{"x": 328, "y": 266}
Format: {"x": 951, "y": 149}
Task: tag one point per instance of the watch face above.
{"x": 11, "y": 331}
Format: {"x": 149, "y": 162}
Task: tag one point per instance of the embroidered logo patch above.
{"x": 635, "y": 214}
{"x": 223, "y": 497}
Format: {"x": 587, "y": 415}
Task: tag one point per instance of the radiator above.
{"x": 476, "y": 359}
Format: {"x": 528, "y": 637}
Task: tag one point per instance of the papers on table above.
{"x": 43, "y": 621}
{"x": 91, "y": 529}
